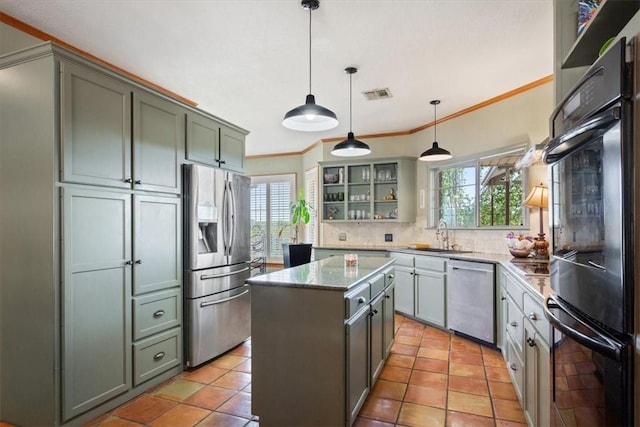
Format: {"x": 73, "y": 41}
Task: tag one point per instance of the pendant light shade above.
{"x": 350, "y": 147}
{"x": 435, "y": 153}
{"x": 310, "y": 117}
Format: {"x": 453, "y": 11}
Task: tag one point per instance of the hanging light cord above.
{"x": 350, "y": 104}
{"x": 435, "y": 122}
{"x": 309, "y": 50}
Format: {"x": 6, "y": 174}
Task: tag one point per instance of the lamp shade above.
{"x": 435, "y": 154}
{"x": 351, "y": 147}
{"x": 538, "y": 197}
{"x": 310, "y": 117}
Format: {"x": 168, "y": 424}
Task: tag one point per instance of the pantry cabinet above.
{"x": 91, "y": 273}
{"x": 367, "y": 191}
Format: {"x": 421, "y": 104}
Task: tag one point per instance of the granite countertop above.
{"x": 539, "y": 283}
{"x": 329, "y": 274}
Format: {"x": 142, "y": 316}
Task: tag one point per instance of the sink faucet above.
{"x": 442, "y": 234}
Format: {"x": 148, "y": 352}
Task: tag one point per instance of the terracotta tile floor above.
{"x": 431, "y": 378}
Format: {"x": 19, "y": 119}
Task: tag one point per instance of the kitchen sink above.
{"x": 439, "y": 250}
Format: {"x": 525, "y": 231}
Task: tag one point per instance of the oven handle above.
{"x": 601, "y": 122}
{"x": 608, "y": 349}
{"x": 210, "y": 303}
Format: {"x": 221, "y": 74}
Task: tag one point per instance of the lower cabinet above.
{"x": 525, "y": 347}
{"x": 421, "y": 287}
{"x": 358, "y": 375}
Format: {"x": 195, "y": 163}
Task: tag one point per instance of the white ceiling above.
{"x": 248, "y": 61}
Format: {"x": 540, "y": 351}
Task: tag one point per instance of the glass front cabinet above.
{"x": 371, "y": 190}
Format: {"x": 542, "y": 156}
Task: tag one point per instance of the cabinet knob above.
{"x": 514, "y": 324}
{"x": 387, "y": 296}
{"x": 158, "y": 356}
{"x": 503, "y": 298}
{"x": 137, "y": 182}
{"x": 375, "y": 311}
{"x": 533, "y": 316}
{"x": 391, "y": 276}
{"x": 128, "y": 180}
{"x": 128, "y": 262}
{"x": 222, "y": 162}
{"x": 513, "y": 367}
{"x": 362, "y": 300}
{"x": 138, "y": 261}
{"x": 531, "y": 342}
{"x": 158, "y": 314}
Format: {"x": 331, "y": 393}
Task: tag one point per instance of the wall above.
{"x": 521, "y": 119}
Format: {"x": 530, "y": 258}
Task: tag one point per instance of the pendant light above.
{"x": 350, "y": 147}
{"x": 310, "y": 117}
{"x": 435, "y": 153}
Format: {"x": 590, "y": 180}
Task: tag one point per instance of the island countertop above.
{"x": 329, "y": 274}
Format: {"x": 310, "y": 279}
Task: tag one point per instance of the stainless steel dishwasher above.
{"x": 471, "y": 299}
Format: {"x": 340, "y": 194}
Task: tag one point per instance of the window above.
{"x": 486, "y": 191}
{"x": 271, "y": 196}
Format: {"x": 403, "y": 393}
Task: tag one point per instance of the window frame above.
{"x": 432, "y": 217}
{"x": 269, "y": 179}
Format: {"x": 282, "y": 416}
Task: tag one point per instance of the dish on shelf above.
{"x": 330, "y": 178}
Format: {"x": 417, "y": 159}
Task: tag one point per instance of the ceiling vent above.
{"x": 374, "y": 94}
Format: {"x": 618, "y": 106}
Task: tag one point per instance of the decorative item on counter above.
{"x": 519, "y": 246}
{"x": 351, "y": 260}
{"x": 539, "y": 198}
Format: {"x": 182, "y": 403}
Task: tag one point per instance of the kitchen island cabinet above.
{"x": 323, "y": 333}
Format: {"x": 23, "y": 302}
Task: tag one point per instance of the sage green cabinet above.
{"x": 525, "y": 347}
{"x": 158, "y": 143}
{"x": 213, "y": 143}
{"x": 96, "y": 332}
{"x": 358, "y": 383}
{"x": 430, "y": 295}
{"x": 372, "y": 190}
{"x": 404, "y": 286}
{"x": 321, "y": 253}
{"x": 97, "y": 124}
{"x": 95, "y": 127}
{"x": 158, "y": 243}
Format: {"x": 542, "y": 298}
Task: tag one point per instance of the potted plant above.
{"x": 295, "y": 253}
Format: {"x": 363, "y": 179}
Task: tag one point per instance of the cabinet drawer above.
{"x": 156, "y": 312}
{"x": 533, "y": 311}
{"x": 514, "y": 324}
{"x": 404, "y": 260}
{"x": 377, "y": 285}
{"x": 515, "y": 367}
{"x": 356, "y": 299}
{"x": 155, "y": 355}
{"x": 431, "y": 263}
{"x": 514, "y": 290}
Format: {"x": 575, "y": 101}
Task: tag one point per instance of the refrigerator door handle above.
{"x": 232, "y": 216}
{"x": 217, "y": 276}
{"x": 210, "y": 303}
{"x": 604, "y": 345}
{"x": 225, "y": 218}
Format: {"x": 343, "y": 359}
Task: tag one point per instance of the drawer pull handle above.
{"x": 513, "y": 367}
{"x": 531, "y": 342}
{"x": 158, "y": 356}
{"x": 533, "y": 316}
{"x": 158, "y": 314}
{"x": 362, "y": 300}
{"x": 514, "y": 324}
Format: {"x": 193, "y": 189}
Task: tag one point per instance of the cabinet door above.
{"x": 377, "y": 337}
{"x": 389, "y": 318}
{"x": 203, "y": 139}
{"x": 404, "y": 297}
{"x": 231, "y": 149}
{"x": 96, "y": 298}
{"x": 158, "y": 142}
{"x": 157, "y": 243}
{"x": 430, "y": 297}
{"x": 96, "y": 128}
{"x": 536, "y": 381}
{"x": 358, "y": 385}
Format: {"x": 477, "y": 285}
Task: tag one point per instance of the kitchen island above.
{"x": 320, "y": 335}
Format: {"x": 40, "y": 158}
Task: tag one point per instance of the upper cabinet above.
{"x": 371, "y": 190}
{"x": 215, "y": 144}
{"x": 98, "y": 122}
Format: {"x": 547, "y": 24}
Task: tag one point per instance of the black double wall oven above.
{"x": 591, "y": 269}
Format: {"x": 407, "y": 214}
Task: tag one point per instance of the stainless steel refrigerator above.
{"x": 217, "y": 262}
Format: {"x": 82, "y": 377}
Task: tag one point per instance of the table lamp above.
{"x": 539, "y": 198}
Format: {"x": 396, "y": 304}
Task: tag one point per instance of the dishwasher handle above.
{"x": 480, "y": 270}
